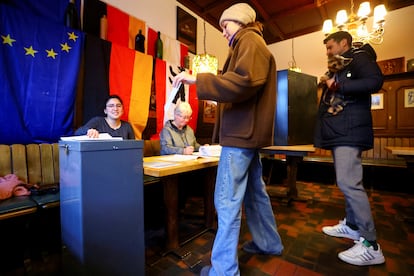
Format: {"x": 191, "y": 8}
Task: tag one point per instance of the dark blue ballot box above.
{"x": 101, "y": 203}
{"x": 296, "y": 108}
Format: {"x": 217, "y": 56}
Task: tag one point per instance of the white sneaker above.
{"x": 341, "y": 230}
{"x": 362, "y": 253}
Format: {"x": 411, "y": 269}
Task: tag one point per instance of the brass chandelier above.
{"x": 356, "y": 25}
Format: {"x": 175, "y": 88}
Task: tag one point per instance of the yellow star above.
{"x": 51, "y": 53}
{"x": 8, "y": 40}
{"x": 72, "y": 36}
{"x": 30, "y": 51}
{"x": 65, "y": 47}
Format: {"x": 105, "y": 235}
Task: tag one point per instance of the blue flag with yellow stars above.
{"x": 40, "y": 61}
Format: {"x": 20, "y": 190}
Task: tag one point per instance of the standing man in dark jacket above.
{"x": 246, "y": 93}
{"x": 347, "y": 133}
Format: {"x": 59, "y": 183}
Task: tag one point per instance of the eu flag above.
{"x": 40, "y": 62}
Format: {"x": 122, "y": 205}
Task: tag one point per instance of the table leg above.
{"x": 209, "y": 184}
{"x": 292, "y": 171}
{"x": 171, "y": 205}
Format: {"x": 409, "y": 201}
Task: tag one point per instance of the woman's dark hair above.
{"x": 113, "y": 97}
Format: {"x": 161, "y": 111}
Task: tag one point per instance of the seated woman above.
{"x": 111, "y": 123}
{"x": 177, "y": 137}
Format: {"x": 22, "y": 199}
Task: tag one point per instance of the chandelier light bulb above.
{"x": 364, "y": 10}
{"x": 341, "y": 18}
{"x": 327, "y": 26}
{"x": 379, "y": 14}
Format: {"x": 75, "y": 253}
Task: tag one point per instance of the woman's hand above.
{"x": 183, "y": 77}
{"x": 92, "y": 133}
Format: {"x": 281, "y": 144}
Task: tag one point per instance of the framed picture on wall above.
{"x": 377, "y": 101}
{"x": 209, "y": 112}
{"x": 187, "y": 30}
{"x": 409, "y": 97}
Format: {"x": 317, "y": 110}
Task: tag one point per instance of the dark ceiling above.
{"x": 285, "y": 19}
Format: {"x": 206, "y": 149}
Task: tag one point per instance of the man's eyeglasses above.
{"x": 114, "y": 105}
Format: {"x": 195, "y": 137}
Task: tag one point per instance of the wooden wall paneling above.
{"x": 390, "y": 142}
{"x": 377, "y": 145}
{"x": 405, "y": 115}
{"x": 380, "y": 116}
{"x": 394, "y": 119}
{"x": 381, "y": 149}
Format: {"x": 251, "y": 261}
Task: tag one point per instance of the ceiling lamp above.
{"x": 355, "y": 24}
{"x": 204, "y": 63}
{"x": 292, "y": 64}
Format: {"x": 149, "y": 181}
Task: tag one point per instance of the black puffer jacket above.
{"x": 352, "y": 126}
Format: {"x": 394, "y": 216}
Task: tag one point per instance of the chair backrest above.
{"x": 152, "y": 148}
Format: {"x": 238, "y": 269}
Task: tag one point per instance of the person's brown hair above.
{"x": 338, "y": 36}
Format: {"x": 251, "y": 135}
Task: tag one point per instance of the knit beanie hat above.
{"x": 241, "y": 13}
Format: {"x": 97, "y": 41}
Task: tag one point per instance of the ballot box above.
{"x": 101, "y": 203}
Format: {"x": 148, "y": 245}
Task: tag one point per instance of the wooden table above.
{"x": 168, "y": 172}
{"x": 405, "y": 152}
{"x": 408, "y": 154}
{"x": 294, "y": 155}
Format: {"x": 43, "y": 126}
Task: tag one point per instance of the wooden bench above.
{"x": 39, "y": 164}
{"x": 33, "y": 164}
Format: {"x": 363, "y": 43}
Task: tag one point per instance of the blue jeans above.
{"x": 348, "y": 168}
{"x": 239, "y": 178}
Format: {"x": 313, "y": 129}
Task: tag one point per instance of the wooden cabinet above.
{"x": 393, "y": 114}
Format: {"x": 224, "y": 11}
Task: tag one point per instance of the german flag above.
{"x": 114, "y": 69}
{"x": 122, "y": 28}
{"x": 164, "y": 72}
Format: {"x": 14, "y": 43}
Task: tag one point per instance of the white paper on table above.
{"x": 158, "y": 165}
{"x": 178, "y": 157}
{"x": 102, "y": 136}
{"x": 210, "y": 150}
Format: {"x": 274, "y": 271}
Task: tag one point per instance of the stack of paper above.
{"x": 213, "y": 150}
{"x": 178, "y": 157}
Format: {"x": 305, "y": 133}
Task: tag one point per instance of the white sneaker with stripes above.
{"x": 362, "y": 253}
{"x": 341, "y": 230}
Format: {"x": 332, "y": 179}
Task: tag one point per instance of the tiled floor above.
{"x": 307, "y": 250}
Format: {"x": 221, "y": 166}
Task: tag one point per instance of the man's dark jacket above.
{"x": 356, "y": 83}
